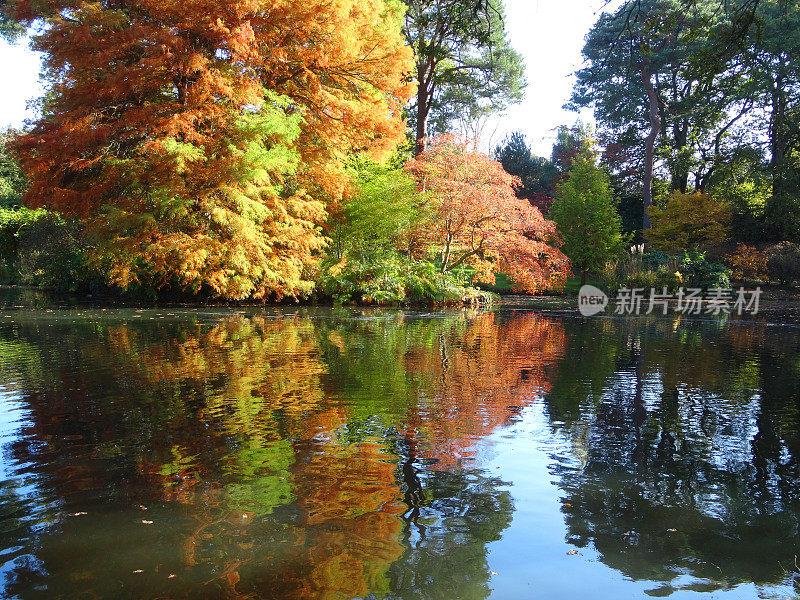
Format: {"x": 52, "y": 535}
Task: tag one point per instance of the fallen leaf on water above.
{"x": 147, "y": 522}
{"x": 628, "y": 534}
{"x": 672, "y": 530}
{"x": 138, "y": 571}
{"x": 493, "y": 573}
{"x": 573, "y": 553}
{"x": 172, "y": 576}
{"x": 79, "y": 514}
{"x": 142, "y": 507}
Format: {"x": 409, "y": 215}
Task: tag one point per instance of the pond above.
{"x": 339, "y": 454}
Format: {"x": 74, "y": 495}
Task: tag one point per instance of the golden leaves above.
{"x": 688, "y": 220}
{"x": 151, "y": 131}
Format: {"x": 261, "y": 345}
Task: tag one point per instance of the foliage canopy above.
{"x": 476, "y": 219}
{"x": 689, "y": 221}
{"x": 199, "y": 143}
{"x": 466, "y": 68}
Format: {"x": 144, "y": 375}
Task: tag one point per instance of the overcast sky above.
{"x": 548, "y": 33}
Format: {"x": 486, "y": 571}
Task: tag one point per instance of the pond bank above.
{"x": 777, "y": 304}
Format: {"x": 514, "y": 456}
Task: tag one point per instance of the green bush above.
{"x": 12, "y": 181}
{"x": 40, "y": 248}
{"x": 367, "y": 261}
{"x": 12, "y": 225}
{"x": 698, "y": 272}
{"x": 656, "y": 259}
{"x": 654, "y": 279}
{"x": 658, "y": 270}
{"x": 382, "y": 206}
{"x": 387, "y": 278}
{"x": 642, "y": 270}
{"x": 783, "y": 262}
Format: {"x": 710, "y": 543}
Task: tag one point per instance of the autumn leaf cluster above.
{"x": 201, "y": 142}
{"x": 476, "y": 219}
{"x": 688, "y": 221}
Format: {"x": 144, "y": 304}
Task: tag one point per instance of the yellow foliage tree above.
{"x": 202, "y": 142}
{"x": 688, "y": 221}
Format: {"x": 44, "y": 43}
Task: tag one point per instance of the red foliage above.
{"x": 542, "y": 202}
{"x": 476, "y": 218}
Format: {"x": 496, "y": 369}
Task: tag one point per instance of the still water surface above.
{"x": 324, "y": 454}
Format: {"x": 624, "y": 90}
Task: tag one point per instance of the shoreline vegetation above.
{"x": 197, "y": 151}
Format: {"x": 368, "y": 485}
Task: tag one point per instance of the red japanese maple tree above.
{"x": 476, "y": 219}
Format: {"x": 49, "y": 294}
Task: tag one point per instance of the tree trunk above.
{"x": 680, "y": 173}
{"x": 650, "y": 143}
{"x": 446, "y": 255}
{"x": 583, "y": 277}
{"x": 777, "y": 132}
{"x": 423, "y": 107}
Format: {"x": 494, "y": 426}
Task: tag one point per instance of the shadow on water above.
{"x": 346, "y": 454}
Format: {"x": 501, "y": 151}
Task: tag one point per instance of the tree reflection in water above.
{"x": 338, "y": 455}
{"x": 259, "y": 457}
{"x": 685, "y": 445}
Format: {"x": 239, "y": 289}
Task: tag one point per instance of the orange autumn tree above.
{"x": 200, "y": 141}
{"x": 476, "y": 219}
{"x": 347, "y": 65}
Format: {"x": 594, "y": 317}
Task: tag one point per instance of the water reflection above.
{"x": 254, "y": 456}
{"x": 177, "y": 454}
{"x": 684, "y": 466}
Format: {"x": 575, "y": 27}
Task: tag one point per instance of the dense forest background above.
{"x": 261, "y": 151}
